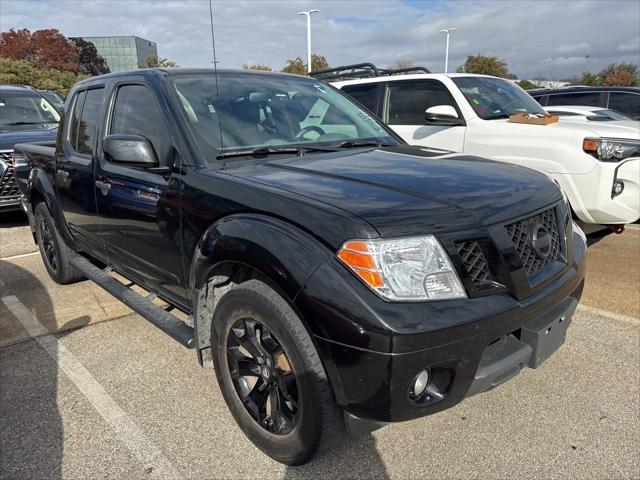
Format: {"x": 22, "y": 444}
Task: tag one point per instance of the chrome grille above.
{"x": 521, "y": 236}
{"x": 474, "y": 262}
{"x": 8, "y": 185}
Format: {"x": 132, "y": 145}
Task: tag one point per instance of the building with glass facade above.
{"x": 123, "y": 53}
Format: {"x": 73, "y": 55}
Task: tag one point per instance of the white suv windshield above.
{"x": 493, "y": 98}
{"x": 249, "y": 111}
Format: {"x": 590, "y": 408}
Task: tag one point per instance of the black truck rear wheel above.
{"x": 56, "y": 255}
{"x": 271, "y": 376}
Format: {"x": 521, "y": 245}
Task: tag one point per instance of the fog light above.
{"x": 421, "y": 382}
{"x": 617, "y": 189}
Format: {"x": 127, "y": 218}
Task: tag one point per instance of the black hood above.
{"x": 12, "y": 134}
{"x": 407, "y": 191}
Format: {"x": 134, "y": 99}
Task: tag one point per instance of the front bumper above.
{"x": 593, "y": 199}
{"x": 374, "y": 352}
{"x": 10, "y": 203}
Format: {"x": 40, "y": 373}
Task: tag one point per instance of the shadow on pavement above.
{"x": 31, "y": 432}
{"x": 13, "y": 219}
{"x": 353, "y": 458}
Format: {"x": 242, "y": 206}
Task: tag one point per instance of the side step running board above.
{"x": 168, "y": 323}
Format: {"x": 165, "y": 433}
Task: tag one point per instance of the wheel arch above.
{"x": 40, "y": 189}
{"x": 244, "y": 246}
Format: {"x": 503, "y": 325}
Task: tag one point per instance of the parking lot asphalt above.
{"x": 119, "y": 399}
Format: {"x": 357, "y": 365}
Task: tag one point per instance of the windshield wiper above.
{"x": 497, "y": 116}
{"x": 299, "y": 150}
{"x": 357, "y": 144}
{"x": 27, "y": 123}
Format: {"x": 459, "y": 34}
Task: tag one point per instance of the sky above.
{"x": 554, "y": 39}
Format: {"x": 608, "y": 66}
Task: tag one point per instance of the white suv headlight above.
{"x": 404, "y": 269}
{"x": 611, "y": 149}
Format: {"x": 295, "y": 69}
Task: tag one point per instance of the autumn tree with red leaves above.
{"x": 46, "y": 48}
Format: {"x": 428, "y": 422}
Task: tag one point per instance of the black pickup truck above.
{"x": 338, "y": 278}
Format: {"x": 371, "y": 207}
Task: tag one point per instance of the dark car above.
{"x": 622, "y": 99}
{"x": 25, "y": 116}
{"x": 338, "y": 278}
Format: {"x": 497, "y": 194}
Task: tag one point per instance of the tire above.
{"x": 290, "y": 435}
{"x": 56, "y": 255}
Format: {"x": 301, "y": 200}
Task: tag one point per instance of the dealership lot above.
{"x": 120, "y": 399}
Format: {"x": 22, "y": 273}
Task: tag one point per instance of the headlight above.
{"x": 409, "y": 269}
{"x": 611, "y": 149}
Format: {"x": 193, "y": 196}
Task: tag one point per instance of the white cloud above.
{"x": 523, "y": 33}
{"x": 632, "y": 46}
{"x": 574, "y": 48}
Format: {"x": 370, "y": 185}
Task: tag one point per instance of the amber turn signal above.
{"x": 357, "y": 256}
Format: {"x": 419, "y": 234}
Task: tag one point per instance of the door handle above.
{"x": 104, "y": 187}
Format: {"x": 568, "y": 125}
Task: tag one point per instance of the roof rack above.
{"x": 363, "y": 70}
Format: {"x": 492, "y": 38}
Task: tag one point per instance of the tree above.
{"x": 591, "y": 79}
{"x": 486, "y": 65}
{"x": 620, "y": 74}
{"x": 526, "y": 84}
{"x": 91, "y": 62}
{"x": 297, "y": 65}
{"x": 23, "y": 73}
{"x": 46, "y": 48}
{"x": 257, "y": 66}
{"x": 153, "y": 61}
{"x": 401, "y": 62}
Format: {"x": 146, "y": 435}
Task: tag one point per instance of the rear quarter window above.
{"x": 591, "y": 99}
{"x": 367, "y": 94}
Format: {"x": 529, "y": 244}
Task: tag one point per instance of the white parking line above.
{"x": 609, "y": 314}
{"x": 132, "y": 436}
{"x": 20, "y": 255}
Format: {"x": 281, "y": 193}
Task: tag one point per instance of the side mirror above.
{"x": 132, "y": 150}
{"x": 442, "y": 115}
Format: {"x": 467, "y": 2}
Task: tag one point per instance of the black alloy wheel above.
{"x": 262, "y": 375}
{"x": 48, "y": 246}
{"x": 56, "y": 255}
{"x": 270, "y": 374}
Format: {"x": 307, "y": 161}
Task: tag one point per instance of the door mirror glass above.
{"x": 132, "y": 150}
{"x": 442, "y": 115}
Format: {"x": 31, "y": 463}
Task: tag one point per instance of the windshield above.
{"x": 493, "y": 98}
{"x": 250, "y": 112}
{"x": 20, "y": 109}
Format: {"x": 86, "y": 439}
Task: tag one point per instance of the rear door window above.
{"x": 367, "y": 94}
{"x": 89, "y": 120}
{"x": 408, "y": 100}
{"x": 627, "y": 103}
{"x": 74, "y": 120}
{"x": 591, "y": 99}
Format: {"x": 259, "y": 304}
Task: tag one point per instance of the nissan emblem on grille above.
{"x": 541, "y": 240}
{"x": 537, "y": 240}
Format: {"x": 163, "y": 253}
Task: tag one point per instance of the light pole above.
{"x": 446, "y": 52}
{"x": 308, "y": 15}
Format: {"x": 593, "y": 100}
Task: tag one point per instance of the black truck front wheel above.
{"x": 55, "y": 253}
{"x": 271, "y": 376}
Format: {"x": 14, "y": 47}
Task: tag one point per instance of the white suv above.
{"x": 597, "y": 164}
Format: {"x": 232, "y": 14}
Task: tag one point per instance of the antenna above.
{"x": 215, "y": 73}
